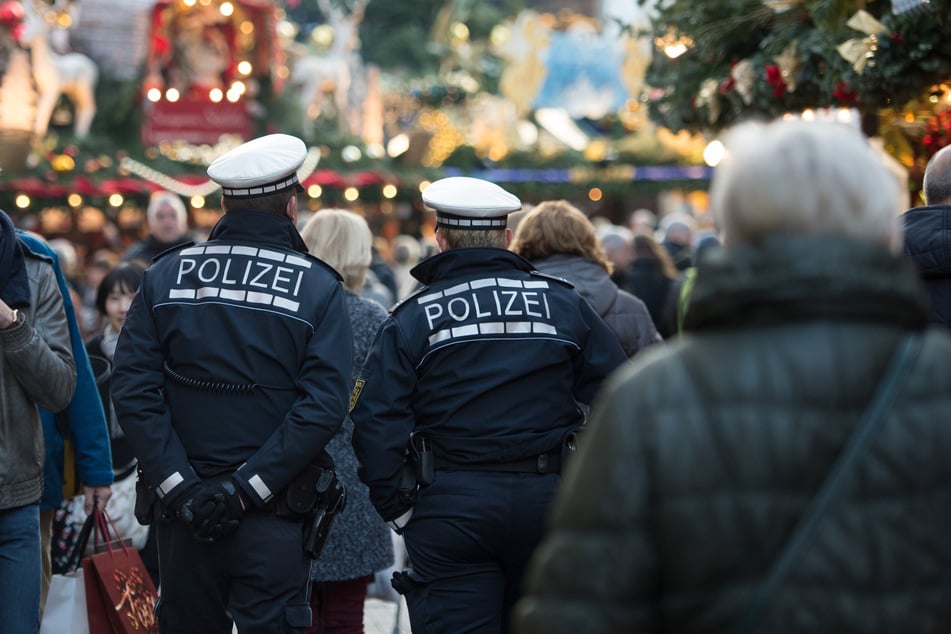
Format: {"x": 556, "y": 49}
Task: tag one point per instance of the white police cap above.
{"x": 261, "y": 167}
{"x": 461, "y": 202}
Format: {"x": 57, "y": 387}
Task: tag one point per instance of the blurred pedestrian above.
{"x": 85, "y": 463}
{"x": 676, "y": 231}
{"x": 113, "y": 299}
{"x": 167, "y": 221}
{"x": 928, "y": 236}
{"x": 360, "y": 544}
{"x": 36, "y": 369}
{"x": 699, "y": 500}
{"x": 653, "y": 278}
{"x": 559, "y": 240}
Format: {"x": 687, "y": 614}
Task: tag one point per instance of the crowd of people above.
{"x": 544, "y": 422}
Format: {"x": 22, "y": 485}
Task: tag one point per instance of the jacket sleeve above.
{"x": 139, "y": 398}
{"x": 87, "y": 420}
{"x": 601, "y": 354}
{"x": 323, "y": 385}
{"x": 596, "y": 569}
{"x": 383, "y": 418}
{"x": 38, "y": 349}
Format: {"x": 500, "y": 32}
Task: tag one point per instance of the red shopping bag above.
{"x": 120, "y": 595}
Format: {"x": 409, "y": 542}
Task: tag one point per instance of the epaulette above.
{"x": 161, "y": 255}
{"x": 417, "y": 292}
{"x": 552, "y": 277}
{"x": 314, "y": 258}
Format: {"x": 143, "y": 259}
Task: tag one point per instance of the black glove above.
{"x": 212, "y": 509}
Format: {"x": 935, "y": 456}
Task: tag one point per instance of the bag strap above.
{"x": 103, "y": 523}
{"x": 79, "y": 546}
{"x": 895, "y": 377}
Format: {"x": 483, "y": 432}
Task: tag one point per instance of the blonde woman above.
{"x": 360, "y": 543}
{"x": 560, "y": 240}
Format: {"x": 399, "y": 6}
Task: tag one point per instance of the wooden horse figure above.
{"x": 71, "y": 74}
{"x": 331, "y": 72}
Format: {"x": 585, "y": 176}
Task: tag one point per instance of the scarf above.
{"x": 14, "y": 284}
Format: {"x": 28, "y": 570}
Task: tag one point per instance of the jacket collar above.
{"x": 797, "y": 278}
{"x": 459, "y": 262}
{"x": 260, "y": 227}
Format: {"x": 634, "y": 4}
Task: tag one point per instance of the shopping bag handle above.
{"x": 103, "y": 522}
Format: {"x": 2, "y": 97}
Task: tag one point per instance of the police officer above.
{"x": 476, "y": 380}
{"x": 231, "y": 375}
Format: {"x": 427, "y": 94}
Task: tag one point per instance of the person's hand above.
{"x": 96, "y": 496}
{"x": 6, "y": 315}
{"x": 212, "y": 509}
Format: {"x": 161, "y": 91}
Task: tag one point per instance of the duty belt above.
{"x": 542, "y": 463}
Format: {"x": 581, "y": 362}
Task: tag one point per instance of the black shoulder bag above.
{"x": 896, "y": 375}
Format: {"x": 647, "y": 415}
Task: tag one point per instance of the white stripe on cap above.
{"x": 456, "y": 222}
{"x": 261, "y": 190}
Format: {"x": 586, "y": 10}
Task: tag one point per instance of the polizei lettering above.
{"x": 502, "y": 303}
{"x": 488, "y": 307}
{"x": 240, "y": 274}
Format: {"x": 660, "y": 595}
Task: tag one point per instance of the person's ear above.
{"x": 440, "y": 240}
{"x": 291, "y": 209}
{"x": 508, "y": 237}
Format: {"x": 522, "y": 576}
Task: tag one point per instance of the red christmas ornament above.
{"x": 844, "y": 94}
{"x": 774, "y": 77}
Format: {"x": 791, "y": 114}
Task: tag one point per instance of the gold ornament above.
{"x": 861, "y": 50}
{"x": 707, "y": 97}
{"x": 742, "y": 73}
{"x": 788, "y": 62}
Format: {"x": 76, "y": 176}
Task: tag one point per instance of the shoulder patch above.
{"x": 355, "y": 394}
{"x": 161, "y": 255}
{"x": 552, "y": 277}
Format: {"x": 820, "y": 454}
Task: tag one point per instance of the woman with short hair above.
{"x": 560, "y": 240}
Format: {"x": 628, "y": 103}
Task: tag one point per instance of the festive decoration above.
{"x": 859, "y": 51}
{"x": 770, "y": 58}
{"x": 937, "y": 132}
{"x": 205, "y": 187}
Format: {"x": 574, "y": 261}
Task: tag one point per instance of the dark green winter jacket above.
{"x": 702, "y": 454}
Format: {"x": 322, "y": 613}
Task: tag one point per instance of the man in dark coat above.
{"x": 480, "y": 374}
{"x": 702, "y": 456}
{"x": 928, "y": 236}
{"x": 231, "y": 376}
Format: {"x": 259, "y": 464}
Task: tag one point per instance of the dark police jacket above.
{"x": 928, "y": 245}
{"x": 489, "y": 361}
{"x": 247, "y": 308}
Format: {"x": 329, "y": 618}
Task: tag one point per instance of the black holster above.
{"x": 421, "y": 457}
{"x": 331, "y": 499}
{"x": 299, "y": 499}
{"x": 569, "y": 446}
{"x": 145, "y": 499}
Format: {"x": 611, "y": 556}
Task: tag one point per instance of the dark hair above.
{"x": 648, "y": 248}
{"x": 275, "y": 203}
{"x": 126, "y": 276}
